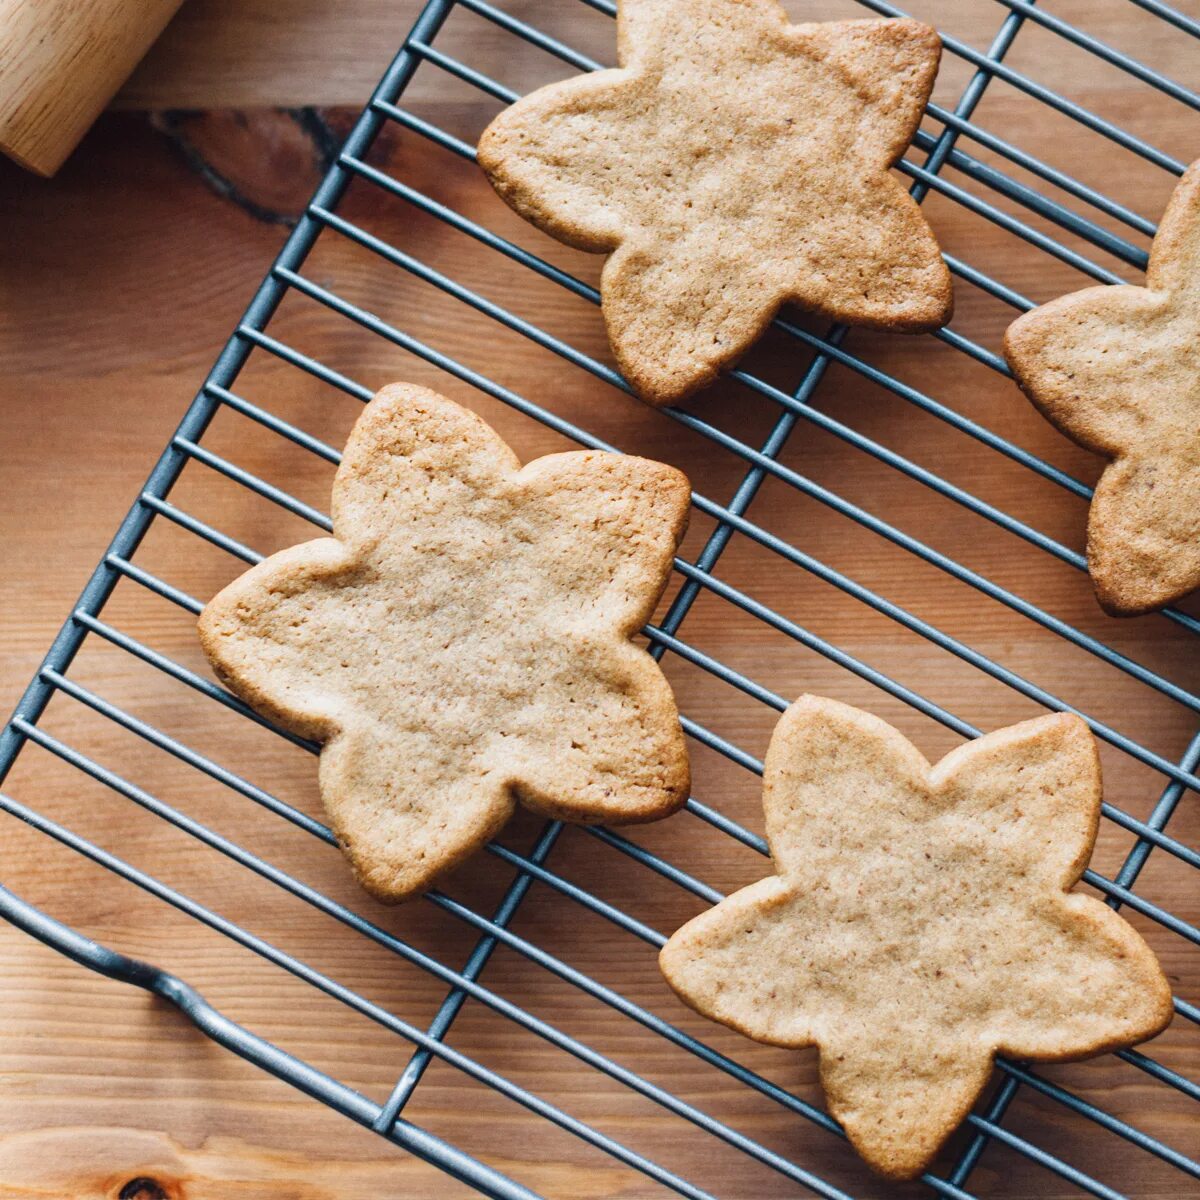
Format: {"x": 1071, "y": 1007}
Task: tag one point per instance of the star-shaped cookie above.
{"x": 920, "y": 922}
{"x": 1118, "y": 370}
{"x": 731, "y": 164}
{"x": 463, "y": 641}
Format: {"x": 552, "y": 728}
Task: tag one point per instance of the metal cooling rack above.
{"x": 934, "y": 150}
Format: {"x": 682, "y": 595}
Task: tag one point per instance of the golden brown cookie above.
{"x": 920, "y": 922}
{"x": 1117, "y": 370}
{"x": 733, "y": 163}
{"x": 463, "y": 641}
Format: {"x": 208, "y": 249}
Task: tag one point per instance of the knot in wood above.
{"x": 143, "y": 1188}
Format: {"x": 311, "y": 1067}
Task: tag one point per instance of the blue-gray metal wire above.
{"x": 698, "y": 577}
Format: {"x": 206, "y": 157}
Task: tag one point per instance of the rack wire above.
{"x": 1093, "y": 230}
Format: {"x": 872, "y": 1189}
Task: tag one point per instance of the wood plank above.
{"x": 228, "y": 53}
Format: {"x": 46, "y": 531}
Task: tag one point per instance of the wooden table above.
{"x": 120, "y": 280}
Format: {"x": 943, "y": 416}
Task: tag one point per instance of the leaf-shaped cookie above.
{"x": 733, "y": 163}
{"x": 920, "y": 922}
{"x": 1116, "y": 369}
{"x": 463, "y": 641}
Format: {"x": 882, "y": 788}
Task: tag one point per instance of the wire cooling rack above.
{"x": 968, "y": 168}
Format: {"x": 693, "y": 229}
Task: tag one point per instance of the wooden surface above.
{"x": 120, "y": 280}
{"x": 246, "y": 52}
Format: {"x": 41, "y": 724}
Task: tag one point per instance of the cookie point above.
{"x": 1074, "y": 723}
{"x": 1129, "y": 595}
{"x": 655, "y": 383}
{"x": 918, "y": 32}
{"x": 936, "y": 307}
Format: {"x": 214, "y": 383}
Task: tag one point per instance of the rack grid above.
{"x": 1082, "y": 232}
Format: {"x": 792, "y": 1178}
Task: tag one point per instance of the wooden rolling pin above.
{"x": 60, "y": 63}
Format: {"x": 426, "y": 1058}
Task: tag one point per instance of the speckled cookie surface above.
{"x": 920, "y": 922}
{"x": 1118, "y": 370}
{"x": 462, "y": 642}
{"x": 732, "y": 163}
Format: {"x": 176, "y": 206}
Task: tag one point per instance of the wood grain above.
{"x": 120, "y": 281}
{"x": 63, "y": 60}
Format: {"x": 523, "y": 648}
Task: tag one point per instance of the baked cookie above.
{"x": 920, "y": 922}
{"x": 463, "y": 641}
{"x": 1117, "y": 370}
{"x": 733, "y": 163}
